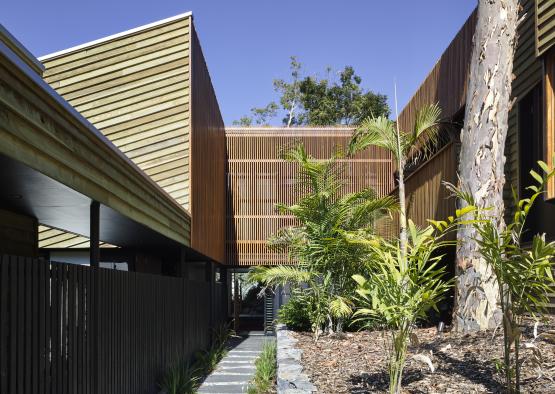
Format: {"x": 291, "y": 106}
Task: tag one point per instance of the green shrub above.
{"x": 181, "y": 378}
{"x": 523, "y": 272}
{"x": 207, "y": 360}
{"x": 266, "y": 370}
{"x": 295, "y": 313}
{"x": 184, "y": 378}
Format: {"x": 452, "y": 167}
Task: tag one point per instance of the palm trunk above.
{"x": 481, "y": 165}
{"x": 402, "y": 217}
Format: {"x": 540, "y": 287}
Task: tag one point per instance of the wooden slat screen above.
{"x": 426, "y": 195}
{"x": 446, "y": 82}
{"x": 207, "y": 161}
{"x": 51, "y": 342}
{"x": 257, "y": 179}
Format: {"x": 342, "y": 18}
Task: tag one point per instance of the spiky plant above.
{"x": 523, "y": 273}
{"x": 395, "y": 296}
{"x": 317, "y": 243}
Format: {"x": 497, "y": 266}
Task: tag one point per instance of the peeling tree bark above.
{"x": 482, "y": 159}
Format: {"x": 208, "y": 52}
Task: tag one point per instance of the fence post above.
{"x": 95, "y": 233}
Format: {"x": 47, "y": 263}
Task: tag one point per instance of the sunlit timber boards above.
{"x": 258, "y": 178}
{"x": 140, "y": 88}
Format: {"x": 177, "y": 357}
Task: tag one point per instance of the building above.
{"x": 258, "y": 179}
{"x": 70, "y": 169}
{"x": 531, "y": 133}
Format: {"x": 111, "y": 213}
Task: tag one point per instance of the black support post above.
{"x": 95, "y": 233}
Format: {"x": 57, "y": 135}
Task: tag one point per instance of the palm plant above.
{"x": 325, "y": 258}
{"x": 397, "y": 296}
{"x": 523, "y": 273}
{"x": 406, "y": 279}
{"x": 404, "y": 146}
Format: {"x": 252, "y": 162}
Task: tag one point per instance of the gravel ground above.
{"x": 464, "y": 363}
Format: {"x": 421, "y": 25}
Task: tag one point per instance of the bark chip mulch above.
{"x": 464, "y": 363}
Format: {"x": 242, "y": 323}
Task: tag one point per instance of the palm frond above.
{"x": 341, "y": 307}
{"x": 279, "y": 275}
{"x": 378, "y": 131}
{"x": 424, "y": 134}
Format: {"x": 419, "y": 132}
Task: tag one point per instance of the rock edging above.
{"x": 290, "y": 376}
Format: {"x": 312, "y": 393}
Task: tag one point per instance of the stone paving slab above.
{"x": 236, "y": 369}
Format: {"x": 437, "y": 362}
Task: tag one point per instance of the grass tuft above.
{"x": 266, "y": 370}
{"x": 184, "y": 378}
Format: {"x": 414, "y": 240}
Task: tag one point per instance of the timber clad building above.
{"x": 113, "y": 154}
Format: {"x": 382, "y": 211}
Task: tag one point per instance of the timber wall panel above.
{"x": 528, "y": 71}
{"x": 75, "y": 329}
{"x": 18, "y": 234}
{"x": 545, "y": 25}
{"x": 446, "y": 82}
{"x": 426, "y": 194}
{"x": 39, "y": 130}
{"x": 208, "y": 161}
{"x": 257, "y": 179}
{"x": 135, "y": 90}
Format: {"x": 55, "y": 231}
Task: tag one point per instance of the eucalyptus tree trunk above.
{"x": 482, "y": 159}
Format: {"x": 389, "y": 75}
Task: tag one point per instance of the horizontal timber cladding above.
{"x": 135, "y": 89}
{"x": 257, "y": 179}
{"x": 49, "y": 238}
{"x": 528, "y": 72}
{"x": 39, "y": 129}
{"x": 544, "y": 25}
{"x": 18, "y": 234}
{"x": 75, "y": 329}
{"x": 426, "y": 194}
{"x": 208, "y": 161}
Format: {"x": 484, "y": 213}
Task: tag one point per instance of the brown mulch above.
{"x": 464, "y": 363}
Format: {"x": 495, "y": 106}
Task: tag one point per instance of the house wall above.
{"x": 135, "y": 89}
{"x": 545, "y": 25}
{"x": 258, "y": 178}
{"x": 446, "y": 85}
{"x": 18, "y": 234}
{"x": 208, "y": 161}
{"x": 44, "y": 136}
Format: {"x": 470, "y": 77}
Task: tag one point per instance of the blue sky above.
{"x": 247, "y": 43}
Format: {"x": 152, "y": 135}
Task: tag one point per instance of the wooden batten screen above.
{"x": 426, "y": 194}
{"x": 549, "y": 138}
{"x": 257, "y": 179}
{"x": 74, "y": 329}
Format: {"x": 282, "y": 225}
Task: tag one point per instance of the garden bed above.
{"x": 464, "y": 363}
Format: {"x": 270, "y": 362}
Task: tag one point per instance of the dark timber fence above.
{"x": 74, "y": 329}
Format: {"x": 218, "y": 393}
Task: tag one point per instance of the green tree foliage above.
{"x": 523, "y": 274}
{"x": 319, "y": 244}
{"x": 259, "y": 116}
{"x": 313, "y": 101}
{"x": 342, "y": 102}
{"x": 290, "y": 92}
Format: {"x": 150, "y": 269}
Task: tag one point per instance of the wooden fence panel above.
{"x": 74, "y": 329}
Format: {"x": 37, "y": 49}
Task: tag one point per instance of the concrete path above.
{"x": 236, "y": 369}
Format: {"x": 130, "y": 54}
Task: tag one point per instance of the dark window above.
{"x": 530, "y": 126}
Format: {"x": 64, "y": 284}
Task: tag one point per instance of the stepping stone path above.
{"x": 236, "y": 369}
